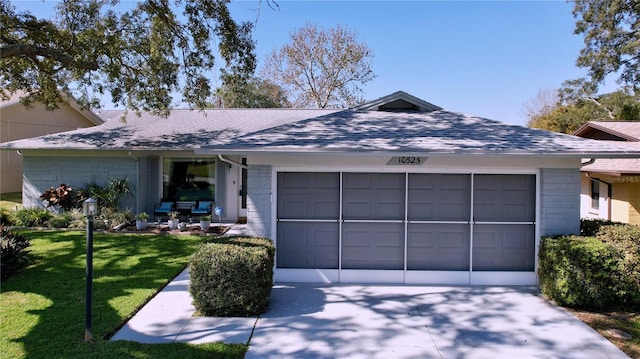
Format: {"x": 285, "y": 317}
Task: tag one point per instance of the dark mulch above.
{"x": 192, "y": 229}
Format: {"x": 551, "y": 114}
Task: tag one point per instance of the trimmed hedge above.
{"x": 590, "y": 227}
{"x": 232, "y": 276}
{"x": 590, "y": 272}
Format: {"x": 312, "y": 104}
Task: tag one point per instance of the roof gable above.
{"x": 15, "y": 97}
{"x": 610, "y": 130}
{"x": 398, "y": 101}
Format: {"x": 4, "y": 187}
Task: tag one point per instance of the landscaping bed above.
{"x": 619, "y": 327}
{"x": 191, "y": 229}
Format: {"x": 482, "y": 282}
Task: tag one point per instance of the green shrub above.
{"x": 625, "y": 239}
{"x": 32, "y": 217}
{"x": 232, "y": 276}
{"x": 60, "y": 220}
{"x": 108, "y": 195}
{"x": 13, "y": 252}
{"x": 584, "y": 272}
{"x": 619, "y": 233}
{"x": 590, "y": 227}
{"x": 7, "y": 217}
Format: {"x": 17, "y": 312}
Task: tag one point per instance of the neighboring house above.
{"x": 610, "y": 188}
{"x": 18, "y": 122}
{"x": 394, "y": 191}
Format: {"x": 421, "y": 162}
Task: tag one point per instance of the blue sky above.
{"x": 478, "y": 57}
{"x": 483, "y": 58}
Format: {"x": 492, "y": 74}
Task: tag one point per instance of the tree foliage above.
{"x": 611, "y": 30}
{"x": 321, "y": 68}
{"x": 141, "y": 53}
{"x": 249, "y": 92}
{"x": 545, "y": 102}
{"x": 568, "y": 116}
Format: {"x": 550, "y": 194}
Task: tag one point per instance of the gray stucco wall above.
{"x": 41, "y": 173}
{"x": 259, "y": 201}
{"x": 560, "y": 201}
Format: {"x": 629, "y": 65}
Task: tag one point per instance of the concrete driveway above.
{"x": 374, "y": 321}
{"x": 357, "y": 321}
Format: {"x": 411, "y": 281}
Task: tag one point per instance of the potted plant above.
{"x": 205, "y": 222}
{"x": 174, "y": 219}
{"x": 141, "y": 220}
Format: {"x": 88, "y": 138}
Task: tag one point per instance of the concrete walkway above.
{"x": 362, "y": 321}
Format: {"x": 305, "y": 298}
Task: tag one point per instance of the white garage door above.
{"x": 406, "y": 228}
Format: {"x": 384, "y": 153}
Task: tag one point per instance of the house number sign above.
{"x": 406, "y": 161}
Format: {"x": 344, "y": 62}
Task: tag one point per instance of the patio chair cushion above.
{"x": 164, "y": 207}
{"x": 202, "y": 207}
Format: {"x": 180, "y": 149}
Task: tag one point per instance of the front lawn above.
{"x": 42, "y": 307}
{"x": 11, "y": 201}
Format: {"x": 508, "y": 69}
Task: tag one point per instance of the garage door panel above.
{"x": 373, "y": 196}
{"x": 438, "y": 247}
{"x": 307, "y": 245}
{"x": 504, "y": 198}
{"x": 503, "y": 247}
{"x": 308, "y": 195}
{"x": 439, "y": 197}
{"x": 361, "y": 225}
{"x": 373, "y": 246}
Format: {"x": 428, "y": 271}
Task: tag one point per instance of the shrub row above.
{"x": 593, "y": 272}
{"x": 590, "y": 227}
{"x": 13, "y": 253}
{"x": 41, "y": 217}
{"x": 232, "y": 276}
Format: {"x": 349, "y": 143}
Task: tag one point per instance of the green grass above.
{"x": 42, "y": 307}
{"x": 11, "y": 200}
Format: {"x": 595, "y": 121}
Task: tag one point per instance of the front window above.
{"x": 188, "y": 179}
{"x": 595, "y": 194}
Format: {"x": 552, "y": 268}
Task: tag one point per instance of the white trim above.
{"x": 307, "y": 275}
{"x": 274, "y": 210}
{"x": 409, "y": 170}
{"x": 406, "y": 223}
{"x": 472, "y": 222}
{"x": 536, "y": 226}
{"x": 374, "y": 276}
{"x": 340, "y": 223}
{"x": 412, "y": 277}
{"x": 437, "y": 277}
{"x": 504, "y": 278}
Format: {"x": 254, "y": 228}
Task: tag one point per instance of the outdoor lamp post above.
{"x": 90, "y": 209}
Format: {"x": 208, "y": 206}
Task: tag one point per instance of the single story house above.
{"x": 18, "y": 122}
{"x": 610, "y": 188}
{"x": 397, "y": 190}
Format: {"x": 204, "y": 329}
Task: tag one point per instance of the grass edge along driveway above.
{"x": 42, "y": 308}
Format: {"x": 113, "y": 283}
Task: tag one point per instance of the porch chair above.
{"x": 164, "y": 208}
{"x": 201, "y": 208}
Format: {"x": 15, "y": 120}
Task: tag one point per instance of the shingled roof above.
{"x": 395, "y": 123}
{"x": 181, "y": 130}
{"x": 616, "y": 130}
{"x": 627, "y": 134}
